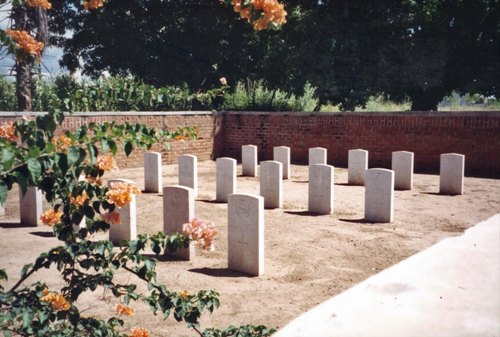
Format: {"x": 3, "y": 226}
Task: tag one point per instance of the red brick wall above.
{"x": 474, "y": 134}
{"x": 203, "y": 147}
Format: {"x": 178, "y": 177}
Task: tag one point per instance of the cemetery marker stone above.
{"x": 246, "y": 233}
{"x": 357, "y": 165}
{"x": 402, "y": 165}
{"x": 321, "y": 182}
{"x": 379, "y": 195}
{"x": 317, "y": 155}
{"x": 249, "y": 160}
{"x": 226, "y": 178}
{"x": 282, "y": 154}
{"x": 127, "y": 229}
{"x": 152, "y": 172}
{"x": 271, "y": 183}
{"x": 30, "y": 206}
{"x": 188, "y": 172}
{"x": 451, "y": 174}
{"x": 178, "y": 209}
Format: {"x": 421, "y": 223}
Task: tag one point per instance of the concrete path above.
{"x": 449, "y": 289}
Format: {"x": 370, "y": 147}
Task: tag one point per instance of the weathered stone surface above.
{"x": 2, "y": 210}
{"x": 357, "y": 165}
{"x": 249, "y": 160}
{"x": 271, "y": 183}
{"x": 451, "y": 174}
{"x": 317, "y": 155}
{"x": 188, "y": 172}
{"x": 321, "y": 189}
{"x": 127, "y": 229}
{"x": 379, "y": 195}
{"x": 152, "y": 172}
{"x": 246, "y": 233}
{"x": 402, "y": 165}
{"x": 282, "y": 154}
{"x": 226, "y": 178}
{"x": 178, "y": 209}
{"x": 30, "y": 206}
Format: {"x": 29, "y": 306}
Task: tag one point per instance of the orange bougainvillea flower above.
{"x": 39, "y": 3}
{"x": 201, "y": 233}
{"x": 92, "y": 4}
{"x": 184, "y": 294}
{"x": 179, "y": 137}
{"x": 58, "y": 302}
{"x": 61, "y": 143}
{"x": 121, "y": 193}
{"x": 26, "y": 42}
{"x": 122, "y": 309}
{"x": 106, "y": 162}
{"x": 139, "y": 332}
{"x": 79, "y": 200}
{"x": 94, "y": 180}
{"x": 8, "y": 131}
{"x": 51, "y": 217}
{"x": 112, "y": 218}
{"x": 272, "y": 12}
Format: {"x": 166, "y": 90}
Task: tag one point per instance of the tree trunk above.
{"x": 23, "y": 69}
{"x": 23, "y": 86}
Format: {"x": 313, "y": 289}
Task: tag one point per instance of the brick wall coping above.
{"x": 112, "y": 113}
{"x": 493, "y": 113}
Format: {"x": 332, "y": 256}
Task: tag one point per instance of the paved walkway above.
{"x": 449, "y": 289}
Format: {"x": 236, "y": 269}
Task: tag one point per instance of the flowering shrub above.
{"x": 202, "y": 234}
{"x": 57, "y": 165}
{"x": 26, "y": 42}
{"x": 263, "y": 14}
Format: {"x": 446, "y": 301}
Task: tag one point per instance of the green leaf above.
{"x": 75, "y": 155}
{"x": 104, "y": 145}
{"x": 3, "y": 275}
{"x": 35, "y": 168}
{"x": 128, "y": 148}
{"x": 7, "y": 158}
{"x": 34, "y": 152}
{"x": 25, "y": 269}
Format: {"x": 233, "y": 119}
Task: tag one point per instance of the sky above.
{"x": 50, "y": 57}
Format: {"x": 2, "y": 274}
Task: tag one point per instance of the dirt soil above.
{"x": 308, "y": 258}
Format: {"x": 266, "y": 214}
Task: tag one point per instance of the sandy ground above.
{"x": 308, "y": 258}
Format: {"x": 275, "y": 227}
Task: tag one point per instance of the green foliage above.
{"x": 117, "y": 94}
{"x": 55, "y": 164}
{"x": 255, "y": 96}
{"x": 349, "y": 50}
{"x": 8, "y": 101}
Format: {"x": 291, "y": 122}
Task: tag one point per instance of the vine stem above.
{"x": 198, "y": 331}
{"x": 28, "y": 274}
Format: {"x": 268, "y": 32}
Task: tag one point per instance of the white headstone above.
{"x": 317, "y": 155}
{"x": 282, "y": 154}
{"x": 451, "y": 174}
{"x": 152, "y": 172}
{"x": 127, "y": 229}
{"x": 402, "y": 165}
{"x": 246, "y": 233}
{"x": 30, "y": 207}
{"x": 271, "y": 183}
{"x": 249, "y": 160}
{"x": 321, "y": 189}
{"x": 188, "y": 172}
{"x": 178, "y": 209}
{"x": 226, "y": 178}
{"x": 379, "y": 195}
{"x": 357, "y": 165}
